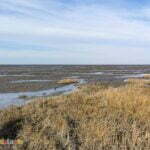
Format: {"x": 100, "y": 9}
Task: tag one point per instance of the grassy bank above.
{"x": 94, "y": 117}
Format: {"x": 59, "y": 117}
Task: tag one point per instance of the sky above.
{"x": 74, "y": 32}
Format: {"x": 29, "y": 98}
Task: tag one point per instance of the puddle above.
{"x": 96, "y": 73}
{"x": 8, "y": 99}
{"x": 92, "y": 73}
{"x": 30, "y": 81}
{"x": 73, "y": 77}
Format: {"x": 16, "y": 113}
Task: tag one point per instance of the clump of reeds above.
{"x": 67, "y": 81}
{"x": 147, "y": 76}
{"x": 136, "y": 81}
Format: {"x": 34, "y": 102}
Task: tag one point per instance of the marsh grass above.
{"x": 23, "y": 97}
{"x": 94, "y": 117}
{"x": 67, "y": 81}
{"x": 147, "y": 76}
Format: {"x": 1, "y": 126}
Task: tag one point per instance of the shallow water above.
{"x": 30, "y": 81}
{"x": 15, "y": 75}
{"x": 7, "y": 99}
{"x": 91, "y": 73}
{"x": 131, "y": 76}
{"x": 96, "y": 73}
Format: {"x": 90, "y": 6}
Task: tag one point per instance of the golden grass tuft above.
{"x": 147, "y": 76}
{"x": 92, "y": 118}
{"x": 67, "y": 81}
{"x": 138, "y": 81}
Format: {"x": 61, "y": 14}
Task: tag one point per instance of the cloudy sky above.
{"x": 74, "y": 32}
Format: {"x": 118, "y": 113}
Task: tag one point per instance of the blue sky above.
{"x": 74, "y": 32}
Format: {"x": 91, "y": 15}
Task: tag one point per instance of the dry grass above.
{"x": 137, "y": 81}
{"x": 147, "y": 76}
{"x": 92, "y": 118}
{"x": 68, "y": 81}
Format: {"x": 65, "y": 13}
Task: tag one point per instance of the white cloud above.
{"x": 99, "y": 55}
{"x": 73, "y": 29}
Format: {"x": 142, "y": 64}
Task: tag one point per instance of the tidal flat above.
{"x": 22, "y": 83}
{"x": 22, "y": 78}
